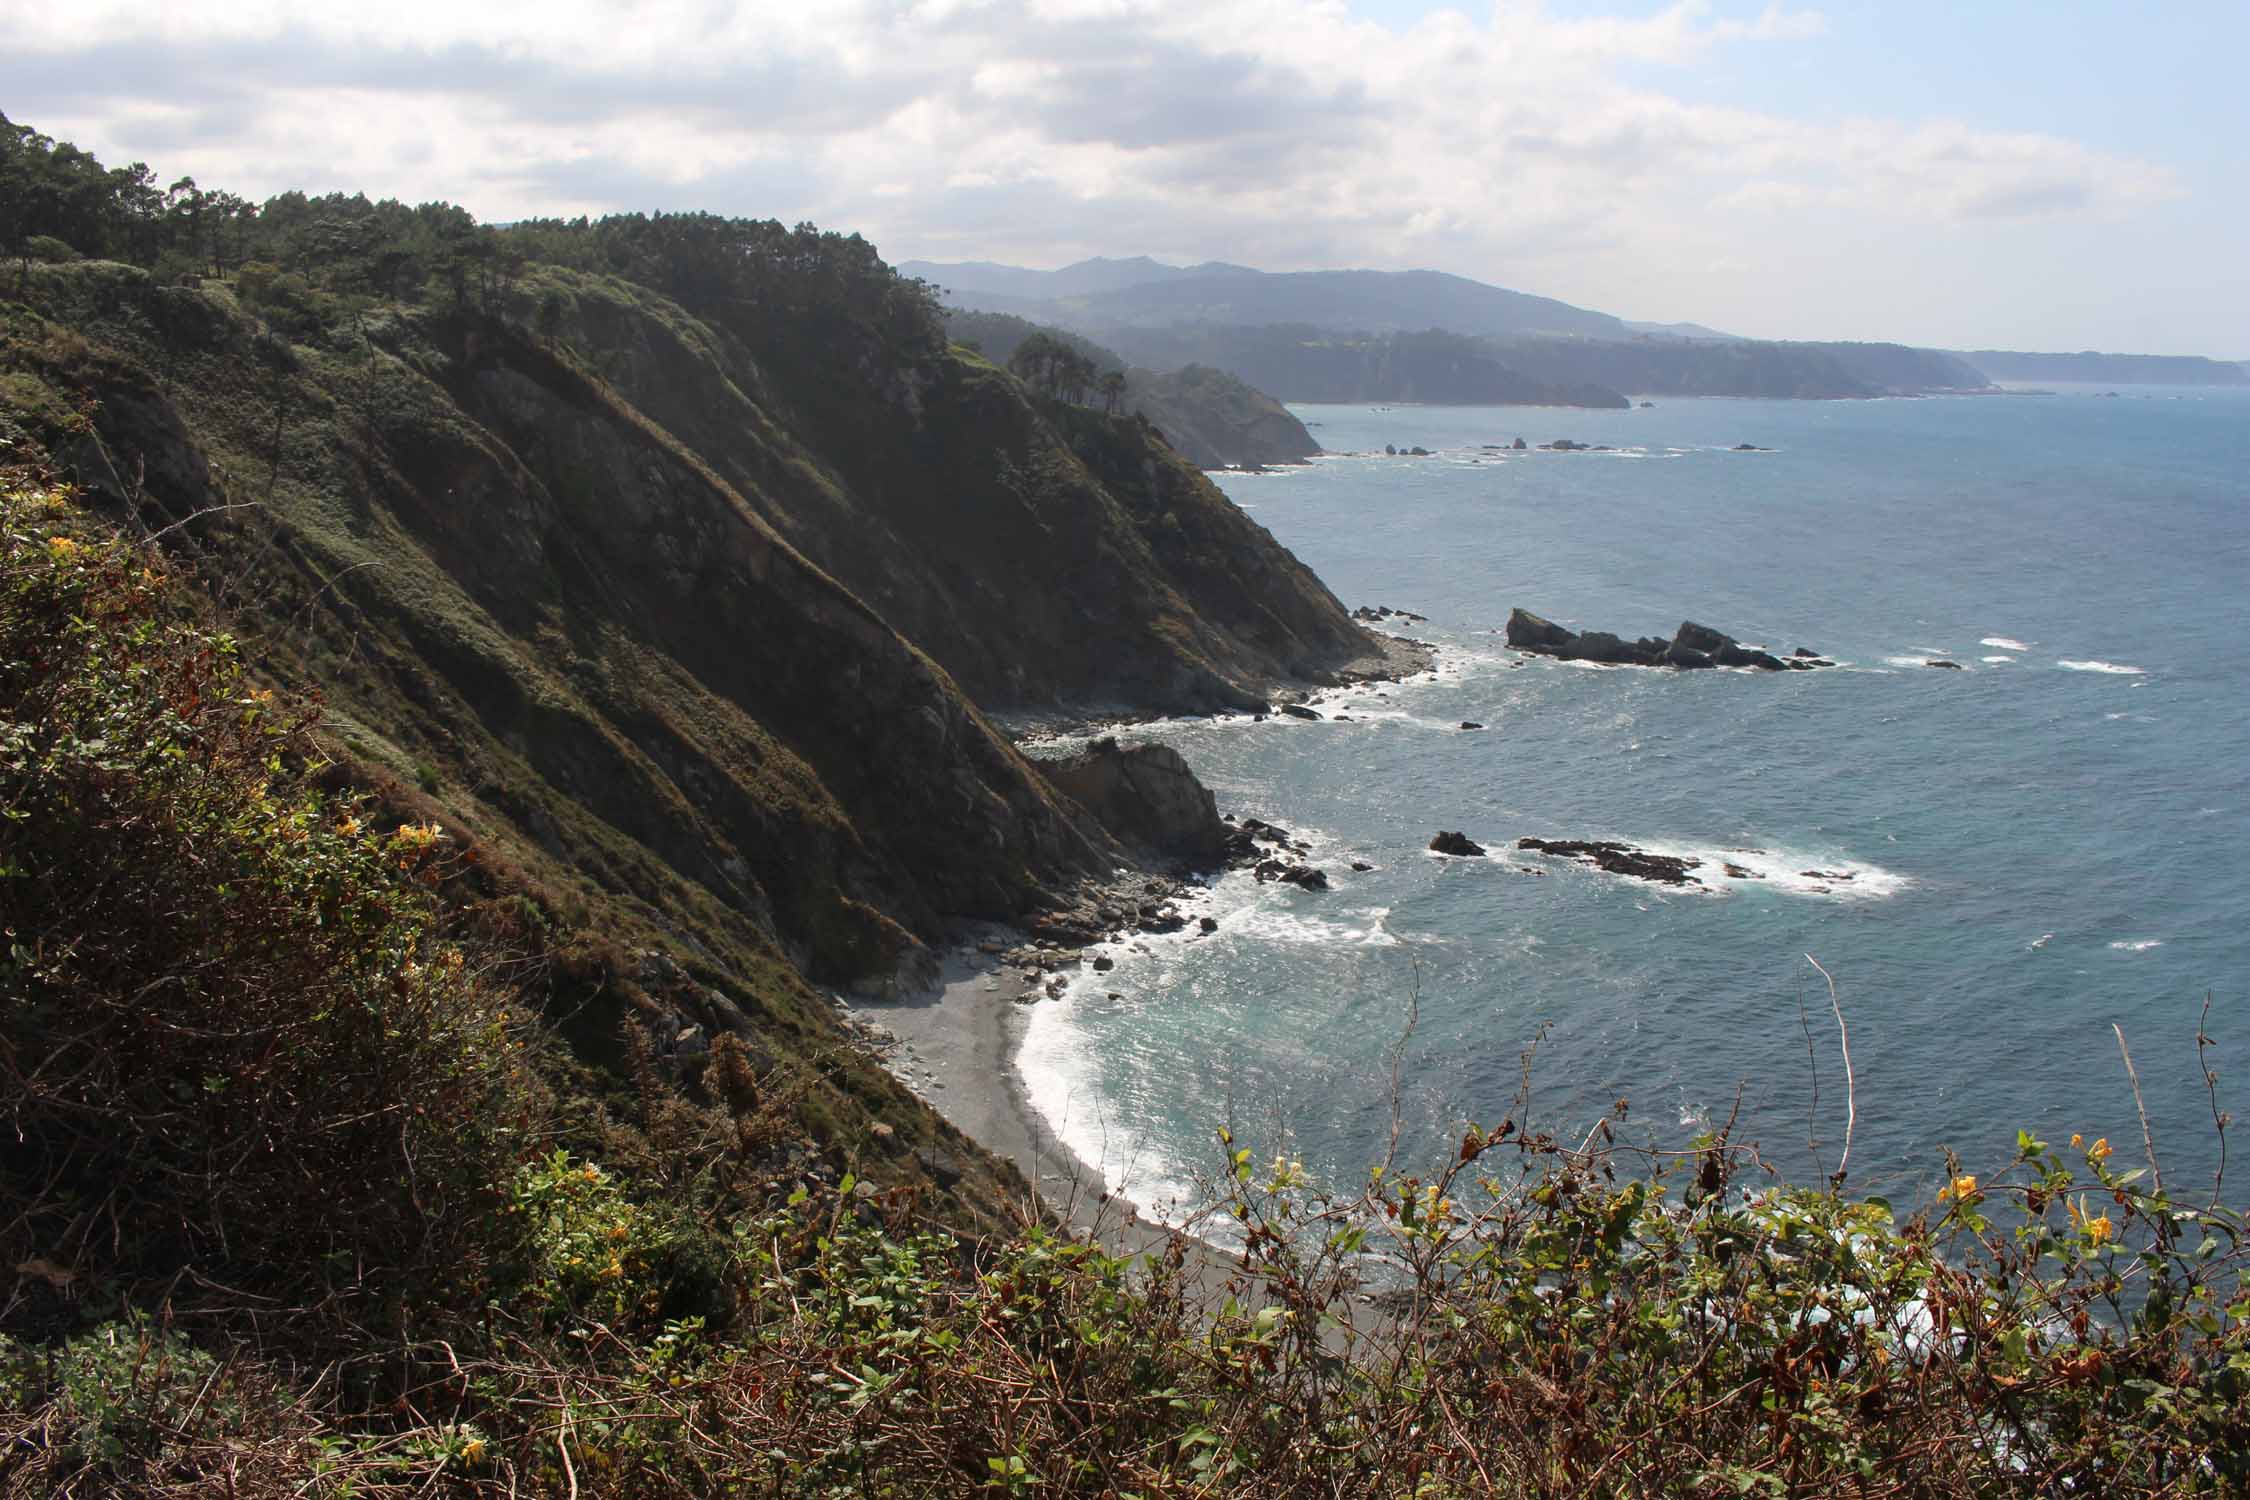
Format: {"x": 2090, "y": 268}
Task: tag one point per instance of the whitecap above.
{"x": 1789, "y": 872}
{"x": 2102, "y": 666}
{"x": 2041, "y": 941}
{"x": 1995, "y": 660}
{"x": 2004, "y": 643}
{"x": 1272, "y": 925}
{"x": 2137, "y": 945}
{"x": 1916, "y": 661}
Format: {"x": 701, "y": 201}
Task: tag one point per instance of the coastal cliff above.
{"x": 690, "y": 625}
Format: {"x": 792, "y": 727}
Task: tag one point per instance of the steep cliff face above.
{"x": 495, "y": 566}
{"x": 685, "y": 625}
{"x": 1034, "y": 549}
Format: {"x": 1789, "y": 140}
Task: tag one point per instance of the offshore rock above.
{"x": 1692, "y": 646}
{"x": 1459, "y": 845}
{"x": 1620, "y": 859}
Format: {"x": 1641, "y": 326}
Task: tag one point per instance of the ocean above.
{"x": 2042, "y": 845}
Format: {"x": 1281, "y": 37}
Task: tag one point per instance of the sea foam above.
{"x": 2004, "y": 643}
{"x": 2102, "y": 666}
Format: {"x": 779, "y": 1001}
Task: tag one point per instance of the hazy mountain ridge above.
{"x": 1238, "y": 319}
{"x": 1300, "y": 362}
{"x": 1099, "y": 296}
{"x": 1213, "y": 419}
{"x": 2097, "y": 368}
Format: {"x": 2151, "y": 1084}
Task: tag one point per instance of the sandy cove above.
{"x": 955, "y": 1044}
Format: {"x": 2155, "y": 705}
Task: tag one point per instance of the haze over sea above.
{"x": 2046, "y": 843}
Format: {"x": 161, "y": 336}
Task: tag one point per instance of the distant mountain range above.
{"x": 1429, "y": 336}
{"x": 1097, "y": 295}
{"x": 2109, "y": 369}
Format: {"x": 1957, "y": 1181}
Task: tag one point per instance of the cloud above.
{"x": 1512, "y": 144}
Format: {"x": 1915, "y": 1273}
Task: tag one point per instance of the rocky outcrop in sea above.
{"x": 1691, "y": 646}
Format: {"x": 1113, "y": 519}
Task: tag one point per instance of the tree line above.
{"x": 59, "y": 203}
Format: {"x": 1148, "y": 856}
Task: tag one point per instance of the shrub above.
{"x": 45, "y": 247}
{"x": 233, "y": 1048}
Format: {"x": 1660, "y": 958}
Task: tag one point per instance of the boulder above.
{"x": 1471, "y": 724}
{"x": 1530, "y": 632}
{"x": 1146, "y": 796}
{"x": 1459, "y": 845}
{"x": 1517, "y": 446}
{"x": 1305, "y": 877}
{"x": 1950, "y": 666}
{"x": 1299, "y": 711}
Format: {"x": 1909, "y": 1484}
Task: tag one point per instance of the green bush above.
{"x": 232, "y": 1044}
{"x": 46, "y": 248}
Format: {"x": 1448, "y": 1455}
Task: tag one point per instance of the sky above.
{"x": 1957, "y": 173}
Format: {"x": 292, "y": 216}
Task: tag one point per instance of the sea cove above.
{"x": 2039, "y": 845}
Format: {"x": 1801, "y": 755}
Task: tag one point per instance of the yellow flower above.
{"x": 472, "y": 1451}
{"x": 2099, "y": 1151}
{"x": 349, "y": 827}
{"x": 60, "y": 548}
{"x": 1960, "y": 1189}
{"x": 2076, "y": 1140}
{"x": 2100, "y": 1230}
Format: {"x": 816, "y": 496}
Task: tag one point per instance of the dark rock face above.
{"x": 1620, "y": 859}
{"x": 1692, "y": 646}
{"x": 1299, "y": 711}
{"x": 1146, "y": 796}
{"x": 1459, "y": 845}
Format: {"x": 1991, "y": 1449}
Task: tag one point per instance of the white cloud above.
{"x": 1514, "y": 145}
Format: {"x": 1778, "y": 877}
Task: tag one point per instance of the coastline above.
{"x": 956, "y": 1040}
{"x": 955, "y": 1043}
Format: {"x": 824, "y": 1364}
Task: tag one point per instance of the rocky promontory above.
{"x": 1691, "y": 646}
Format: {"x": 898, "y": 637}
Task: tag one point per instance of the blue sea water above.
{"x": 2045, "y": 844}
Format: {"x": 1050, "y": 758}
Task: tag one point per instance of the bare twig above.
{"x": 2220, "y": 1119}
{"x": 1851, "y": 1083}
{"x": 2148, "y": 1141}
